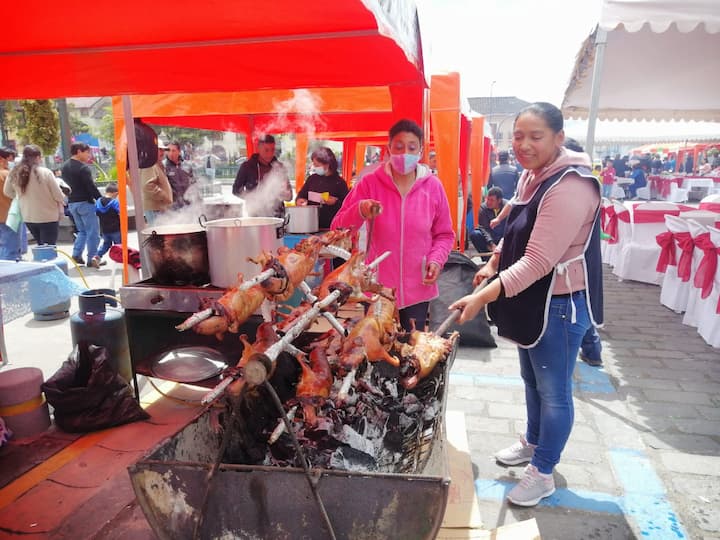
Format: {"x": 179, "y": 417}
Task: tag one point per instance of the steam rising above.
{"x": 300, "y": 114}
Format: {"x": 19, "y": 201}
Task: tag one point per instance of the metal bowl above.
{"x": 188, "y": 364}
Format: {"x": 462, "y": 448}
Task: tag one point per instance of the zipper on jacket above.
{"x": 401, "y": 296}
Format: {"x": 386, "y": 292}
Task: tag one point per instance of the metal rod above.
{"x": 305, "y": 288}
{"x": 274, "y": 350}
{"x": 378, "y": 260}
{"x": 195, "y": 318}
{"x": 455, "y": 315}
{"x": 262, "y": 276}
{"x": 335, "y": 251}
{"x": 301, "y": 456}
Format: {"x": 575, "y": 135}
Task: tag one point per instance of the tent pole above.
{"x": 600, "y": 42}
{"x": 134, "y": 170}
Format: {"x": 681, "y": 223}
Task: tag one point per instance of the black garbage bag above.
{"x": 455, "y": 281}
{"x": 88, "y": 394}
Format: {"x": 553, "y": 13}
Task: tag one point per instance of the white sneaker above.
{"x": 520, "y": 452}
{"x": 533, "y": 487}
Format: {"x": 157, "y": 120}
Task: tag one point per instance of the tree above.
{"x": 187, "y": 135}
{"x": 42, "y": 124}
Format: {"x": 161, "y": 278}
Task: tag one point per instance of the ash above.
{"x": 378, "y": 426}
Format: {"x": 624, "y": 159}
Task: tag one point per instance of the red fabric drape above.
{"x": 666, "y": 241}
{"x": 653, "y": 216}
{"x": 710, "y": 206}
{"x": 705, "y": 274}
{"x": 686, "y": 245}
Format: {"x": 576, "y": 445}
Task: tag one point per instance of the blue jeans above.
{"x": 547, "y": 372}
{"x": 591, "y": 345}
{"x": 88, "y": 229}
{"x": 108, "y": 240}
{"x": 607, "y": 190}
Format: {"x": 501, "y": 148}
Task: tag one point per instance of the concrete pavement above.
{"x": 643, "y": 459}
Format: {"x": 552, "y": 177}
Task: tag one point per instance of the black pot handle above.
{"x": 202, "y": 220}
{"x": 282, "y": 229}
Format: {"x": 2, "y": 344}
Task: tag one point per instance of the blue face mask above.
{"x": 404, "y": 163}
{"x": 320, "y": 171}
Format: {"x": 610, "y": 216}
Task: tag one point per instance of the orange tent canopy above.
{"x": 214, "y": 45}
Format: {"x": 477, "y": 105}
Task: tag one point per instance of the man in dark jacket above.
{"x": 504, "y": 176}
{"x": 179, "y": 175}
{"x": 81, "y": 203}
{"x": 484, "y": 237}
{"x": 270, "y": 190}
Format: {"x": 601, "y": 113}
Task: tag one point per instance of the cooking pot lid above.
{"x": 188, "y": 364}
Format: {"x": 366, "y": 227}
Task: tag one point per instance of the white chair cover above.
{"x": 708, "y": 317}
{"x": 617, "y": 192}
{"x": 643, "y": 193}
{"x": 677, "y": 194}
{"x": 673, "y": 290}
{"x": 610, "y": 252}
{"x": 692, "y": 315}
{"x": 638, "y": 258}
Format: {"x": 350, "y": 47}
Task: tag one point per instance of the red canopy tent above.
{"x": 215, "y": 46}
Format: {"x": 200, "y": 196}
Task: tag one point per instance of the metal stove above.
{"x": 151, "y": 313}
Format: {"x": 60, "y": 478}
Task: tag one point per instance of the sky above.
{"x": 523, "y": 48}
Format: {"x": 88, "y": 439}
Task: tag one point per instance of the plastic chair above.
{"x": 617, "y": 224}
{"x": 637, "y": 261}
{"x": 673, "y": 290}
{"x": 692, "y": 315}
{"x": 709, "y": 307}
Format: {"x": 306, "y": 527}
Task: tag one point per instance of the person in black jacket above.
{"x": 504, "y": 176}
{"x": 324, "y": 179}
{"x": 485, "y": 237}
{"x": 270, "y": 190}
{"x": 179, "y": 175}
{"x": 81, "y": 202}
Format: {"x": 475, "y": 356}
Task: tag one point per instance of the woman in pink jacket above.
{"x": 409, "y": 216}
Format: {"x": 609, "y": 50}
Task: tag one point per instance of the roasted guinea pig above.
{"x": 421, "y": 354}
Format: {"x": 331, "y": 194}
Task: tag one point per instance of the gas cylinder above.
{"x": 42, "y": 312}
{"x": 100, "y": 322}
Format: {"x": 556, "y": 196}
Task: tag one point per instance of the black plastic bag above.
{"x": 455, "y": 281}
{"x": 88, "y": 394}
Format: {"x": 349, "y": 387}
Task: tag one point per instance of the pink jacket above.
{"x": 416, "y": 229}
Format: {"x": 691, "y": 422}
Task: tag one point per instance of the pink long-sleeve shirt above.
{"x": 565, "y": 217}
{"x": 415, "y": 228}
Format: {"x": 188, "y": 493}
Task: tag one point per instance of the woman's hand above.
{"x": 470, "y": 306}
{"x": 331, "y": 200}
{"x": 488, "y": 270}
{"x": 370, "y": 208}
{"x": 431, "y": 274}
{"x": 301, "y": 202}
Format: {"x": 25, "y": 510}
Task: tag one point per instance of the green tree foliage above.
{"x": 42, "y": 124}
{"x": 187, "y": 135}
{"x": 106, "y": 130}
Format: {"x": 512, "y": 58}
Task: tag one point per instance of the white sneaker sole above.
{"x": 518, "y": 461}
{"x": 531, "y": 502}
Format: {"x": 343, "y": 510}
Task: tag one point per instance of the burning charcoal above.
{"x": 348, "y": 459}
{"x": 352, "y": 438}
{"x": 392, "y": 389}
{"x": 393, "y": 441}
{"x": 432, "y": 410}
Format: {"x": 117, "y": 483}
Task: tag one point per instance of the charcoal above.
{"x": 349, "y": 459}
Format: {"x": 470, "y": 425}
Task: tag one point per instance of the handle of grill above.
{"x": 455, "y": 315}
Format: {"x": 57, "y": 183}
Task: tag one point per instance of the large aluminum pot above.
{"x": 231, "y": 241}
{"x": 177, "y": 254}
{"x": 302, "y": 219}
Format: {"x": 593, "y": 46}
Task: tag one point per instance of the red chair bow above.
{"x": 666, "y": 241}
{"x": 611, "y": 225}
{"x": 686, "y": 245}
{"x": 705, "y": 274}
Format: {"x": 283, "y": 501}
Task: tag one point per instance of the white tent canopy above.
{"x": 660, "y": 61}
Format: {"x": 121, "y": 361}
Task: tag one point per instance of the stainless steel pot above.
{"x": 177, "y": 254}
{"x": 231, "y": 241}
{"x": 302, "y": 219}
